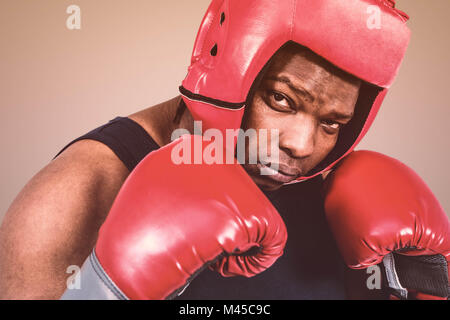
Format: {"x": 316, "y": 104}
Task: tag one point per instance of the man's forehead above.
{"x": 313, "y": 78}
{"x": 301, "y": 63}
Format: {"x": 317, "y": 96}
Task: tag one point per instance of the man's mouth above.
{"x": 278, "y": 173}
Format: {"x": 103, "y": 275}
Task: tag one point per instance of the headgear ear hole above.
{"x": 222, "y": 18}
{"x": 214, "y": 50}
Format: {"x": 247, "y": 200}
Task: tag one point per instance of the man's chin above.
{"x": 266, "y": 184}
{"x": 263, "y": 182}
{"x": 270, "y": 188}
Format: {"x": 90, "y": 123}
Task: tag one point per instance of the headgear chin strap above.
{"x": 366, "y": 38}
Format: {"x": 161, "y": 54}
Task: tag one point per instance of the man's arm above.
{"x": 54, "y": 221}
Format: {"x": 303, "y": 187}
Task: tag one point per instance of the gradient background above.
{"x": 56, "y": 84}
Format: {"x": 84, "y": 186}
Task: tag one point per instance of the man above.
{"x": 320, "y": 110}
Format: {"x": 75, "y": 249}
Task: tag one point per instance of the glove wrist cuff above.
{"x": 95, "y": 284}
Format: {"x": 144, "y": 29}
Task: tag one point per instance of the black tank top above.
{"x": 311, "y": 267}
{"x": 126, "y": 138}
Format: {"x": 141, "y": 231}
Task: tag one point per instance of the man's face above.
{"x": 308, "y": 100}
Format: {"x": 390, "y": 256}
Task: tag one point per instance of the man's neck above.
{"x": 159, "y": 120}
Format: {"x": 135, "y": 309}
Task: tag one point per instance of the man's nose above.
{"x": 297, "y": 138}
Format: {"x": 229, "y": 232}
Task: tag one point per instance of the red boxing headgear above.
{"x": 238, "y": 37}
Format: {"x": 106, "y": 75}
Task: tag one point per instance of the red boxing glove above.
{"x": 381, "y": 210}
{"x": 171, "y": 221}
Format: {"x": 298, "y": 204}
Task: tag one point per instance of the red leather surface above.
{"x": 169, "y": 220}
{"x": 376, "y": 204}
{"x": 248, "y": 32}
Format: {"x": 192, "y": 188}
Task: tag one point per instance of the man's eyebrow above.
{"x": 340, "y": 115}
{"x": 300, "y": 90}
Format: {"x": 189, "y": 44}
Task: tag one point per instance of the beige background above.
{"x": 56, "y": 83}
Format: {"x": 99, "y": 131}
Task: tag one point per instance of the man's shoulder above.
{"x": 92, "y": 157}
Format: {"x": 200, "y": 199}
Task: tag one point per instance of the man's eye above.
{"x": 332, "y": 125}
{"x": 279, "y": 99}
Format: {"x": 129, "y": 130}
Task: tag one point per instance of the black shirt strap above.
{"x": 126, "y": 138}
